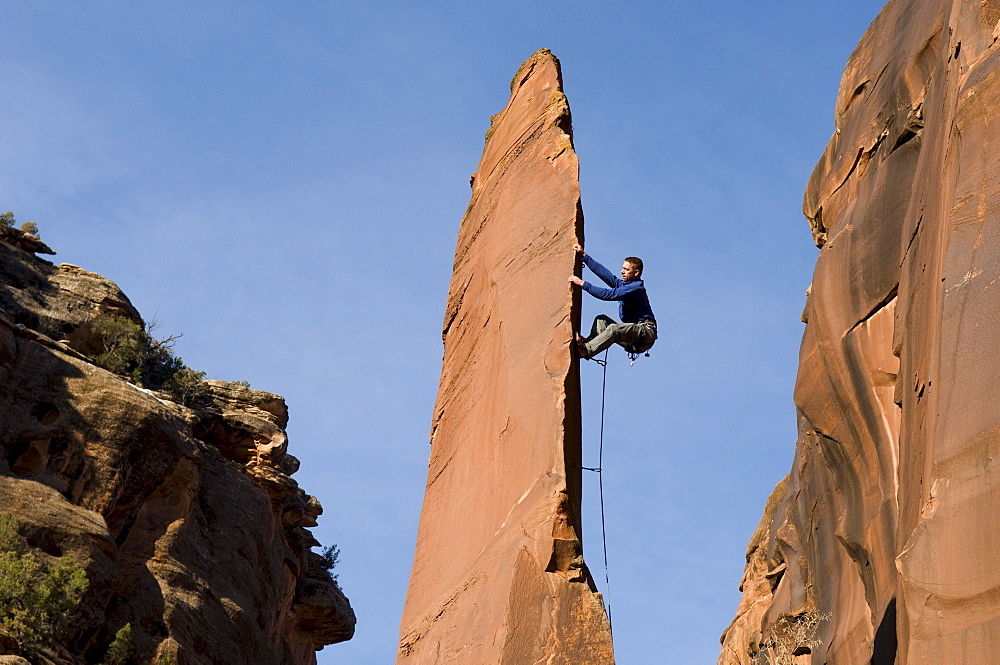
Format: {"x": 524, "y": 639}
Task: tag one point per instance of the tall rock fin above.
{"x": 498, "y": 574}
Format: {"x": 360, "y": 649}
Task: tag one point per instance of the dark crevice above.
{"x": 121, "y": 517}
{"x": 819, "y": 230}
{"x": 912, "y": 238}
{"x": 912, "y": 127}
{"x": 44, "y": 540}
{"x": 880, "y": 75}
{"x": 861, "y": 160}
{"x": 565, "y": 123}
{"x": 854, "y": 166}
{"x": 16, "y": 449}
{"x": 774, "y": 576}
{"x": 885, "y": 645}
{"x": 32, "y": 461}
{"x": 875, "y": 310}
{"x": 905, "y": 137}
{"x": 823, "y": 434}
{"x": 27, "y": 319}
{"x": 45, "y": 412}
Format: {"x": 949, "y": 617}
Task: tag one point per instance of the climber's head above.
{"x": 632, "y": 269}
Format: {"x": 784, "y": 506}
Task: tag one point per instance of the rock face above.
{"x": 57, "y": 301}
{"x": 186, "y": 519}
{"x": 498, "y": 575}
{"x": 878, "y": 547}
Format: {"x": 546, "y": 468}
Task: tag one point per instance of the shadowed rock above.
{"x": 186, "y": 519}
{"x": 57, "y": 301}
{"x": 883, "y": 531}
{"x": 498, "y": 575}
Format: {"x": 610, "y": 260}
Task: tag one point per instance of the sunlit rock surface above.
{"x": 498, "y": 575}
{"x": 883, "y": 536}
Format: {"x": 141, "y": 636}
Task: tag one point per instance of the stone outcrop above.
{"x": 24, "y": 240}
{"x": 498, "y": 575}
{"x": 186, "y": 519}
{"x": 878, "y": 547}
{"x": 57, "y": 301}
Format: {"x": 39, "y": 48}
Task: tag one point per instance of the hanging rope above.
{"x": 599, "y": 469}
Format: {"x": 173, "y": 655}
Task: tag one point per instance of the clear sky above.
{"x": 282, "y": 183}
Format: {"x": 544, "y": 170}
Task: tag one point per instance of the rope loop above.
{"x": 600, "y": 483}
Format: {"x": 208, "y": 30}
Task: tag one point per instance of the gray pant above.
{"x": 606, "y": 331}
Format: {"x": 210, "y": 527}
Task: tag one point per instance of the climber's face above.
{"x": 629, "y": 273}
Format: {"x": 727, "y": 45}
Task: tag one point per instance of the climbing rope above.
{"x": 599, "y": 469}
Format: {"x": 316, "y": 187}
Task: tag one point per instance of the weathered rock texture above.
{"x": 498, "y": 575}
{"x": 186, "y": 519}
{"x": 885, "y": 529}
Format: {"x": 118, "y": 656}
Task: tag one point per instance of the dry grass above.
{"x": 790, "y": 637}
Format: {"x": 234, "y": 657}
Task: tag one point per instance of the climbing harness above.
{"x": 632, "y": 355}
{"x": 636, "y": 350}
{"x": 600, "y": 483}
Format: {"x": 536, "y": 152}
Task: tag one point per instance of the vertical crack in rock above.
{"x": 498, "y": 575}
{"x": 888, "y": 522}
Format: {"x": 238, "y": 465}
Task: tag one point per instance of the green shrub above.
{"x": 331, "y": 556}
{"x": 10, "y": 539}
{"x": 7, "y": 219}
{"x": 124, "y": 346}
{"x": 121, "y": 649}
{"x": 185, "y": 384}
{"x": 37, "y": 601}
{"x": 131, "y": 350}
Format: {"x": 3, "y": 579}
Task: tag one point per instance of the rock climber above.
{"x": 637, "y": 330}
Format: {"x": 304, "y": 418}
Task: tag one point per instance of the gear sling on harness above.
{"x": 635, "y": 350}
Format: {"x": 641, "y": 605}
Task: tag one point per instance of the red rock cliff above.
{"x": 185, "y": 518}
{"x": 498, "y": 575}
{"x": 879, "y": 546}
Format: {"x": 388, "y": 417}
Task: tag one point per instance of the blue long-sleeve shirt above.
{"x": 634, "y": 304}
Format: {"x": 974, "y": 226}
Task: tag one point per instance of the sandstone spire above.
{"x": 880, "y": 546}
{"x": 498, "y": 575}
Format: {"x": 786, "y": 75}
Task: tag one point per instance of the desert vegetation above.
{"x": 7, "y": 220}
{"x": 790, "y": 637}
{"x": 131, "y": 350}
{"x": 38, "y": 598}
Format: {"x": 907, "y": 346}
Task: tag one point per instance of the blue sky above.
{"x": 283, "y": 182}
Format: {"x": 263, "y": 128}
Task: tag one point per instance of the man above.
{"x": 637, "y": 331}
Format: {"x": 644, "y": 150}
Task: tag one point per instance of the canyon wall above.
{"x": 498, "y": 575}
{"x": 184, "y": 516}
{"x": 878, "y": 547}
